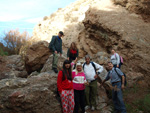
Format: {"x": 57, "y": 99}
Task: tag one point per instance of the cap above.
{"x": 61, "y": 32}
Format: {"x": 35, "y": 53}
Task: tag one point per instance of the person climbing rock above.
{"x": 91, "y": 70}
{"x": 79, "y": 82}
{"x": 117, "y": 81}
{"x": 73, "y": 52}
{"x": 56, "y": 46}
{"x": 65, "y": 87}
{"x": 115, "y": 59}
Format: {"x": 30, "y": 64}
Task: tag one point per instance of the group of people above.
{"x": 77, "y": 83}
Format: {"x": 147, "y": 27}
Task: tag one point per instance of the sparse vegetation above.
{"x": 45, "y": 18}
{"x": 52, "y": 15}
{"x": 2, "y": 52}
{"x": 137, "y": 99}
{"x": 13, "y": 40}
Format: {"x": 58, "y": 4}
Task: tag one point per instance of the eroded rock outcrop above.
{"x": 129, "y": 34}
{"x": 141, "y": 7}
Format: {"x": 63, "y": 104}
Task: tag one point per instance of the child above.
{"x": 65, "y": 88}
{"x": 78, "y": 85}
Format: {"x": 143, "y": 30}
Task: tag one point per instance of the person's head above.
{"x": 87, "y": 59}
{"x": 79, "y": 67}
{"x": 73, "y": 46}
{"x": 66, "y": 65}
{"x": 110, "y": 65}
{"x": 113, "y": 51}
{"x": 67, "y": 71}
{"x": 60, "y": 34}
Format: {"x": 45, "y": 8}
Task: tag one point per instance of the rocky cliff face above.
{"x": 101, "y": 25}
{"x": 113, "y": 26}
{"x": 141, "y": 7}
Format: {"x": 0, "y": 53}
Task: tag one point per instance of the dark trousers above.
{"x": 115, "y": 66}
{"x": 72, "y": 58}
{"x": 118, "y": 98}
{"x": 79, "y": 97}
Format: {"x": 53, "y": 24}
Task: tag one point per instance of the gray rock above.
{"x": 12, "y": 66}
{"x": 48, "y": 65}
{"x": 36, "y": 94}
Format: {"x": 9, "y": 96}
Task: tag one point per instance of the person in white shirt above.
{"x": 115, "y": 59}
{"x": 91, "y": 70}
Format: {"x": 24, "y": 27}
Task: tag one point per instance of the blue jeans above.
{"x": 118, "y": 98}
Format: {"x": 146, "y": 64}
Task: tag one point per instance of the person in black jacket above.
{"x": 73, "y": 52}
{"x": 56, "y": 47}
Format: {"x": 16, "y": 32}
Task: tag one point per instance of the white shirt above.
{"x": 90, "y": 71}
{"x": 115, "y": 59}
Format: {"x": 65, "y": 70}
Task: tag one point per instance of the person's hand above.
{"x": 55, "y": 52}
{"x": 68, "y": 58}
{"x": 122, "y": 87}
{"x": 95, "y": 76}
{"x": 117, "y": 65}
{"x": 86, "y": 83}
{"x": 75, "y": 61}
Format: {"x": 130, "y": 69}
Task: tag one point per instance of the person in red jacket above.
{"x": 65, "y": 87}
{"x": 73, "y": 52}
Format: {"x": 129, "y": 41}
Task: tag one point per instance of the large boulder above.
{"x": 12, "y": 66}
{"x": 36, "y": 94}
{"x": 36, "y": 56}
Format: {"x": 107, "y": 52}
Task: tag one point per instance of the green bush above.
{"x": 144, "y": 104}
{"x": 2, "y": 53}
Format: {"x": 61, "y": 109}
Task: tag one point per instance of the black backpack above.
{"x": 125, "y": 83}
{"x": 92, "y": 65}
{"x": 50, "y": 45}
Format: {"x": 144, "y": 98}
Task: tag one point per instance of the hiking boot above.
{"x": 87, "y": 107}
{"x": 93, "y": 108}
{"x": 55, "y": 70}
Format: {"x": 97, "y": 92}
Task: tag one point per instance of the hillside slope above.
{"x": 99, "y": 25}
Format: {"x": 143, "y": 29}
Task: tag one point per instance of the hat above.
{"x": 78, "y": 64}
{"x": 61, "y": 32}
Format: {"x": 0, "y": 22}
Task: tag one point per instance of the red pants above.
{"x": 67, "y": 99}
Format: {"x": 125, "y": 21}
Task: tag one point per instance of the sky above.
{"x": 25, "y": 14}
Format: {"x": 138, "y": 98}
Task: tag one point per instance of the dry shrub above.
{"x": 45, "y": 18}
{"x": 52, "y": 15}
{"x": 14, "y": 40}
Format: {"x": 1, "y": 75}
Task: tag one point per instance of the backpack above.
{"x": 121, "y": 59}
{"x": 125, "y": 77}
{"x": 92, "y": 65}
{"x": 50, "y": 44}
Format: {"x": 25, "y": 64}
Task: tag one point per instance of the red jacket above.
{"x": 63, "y": 84}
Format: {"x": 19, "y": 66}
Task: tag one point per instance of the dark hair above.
{"x": 109, "y": 62}
{"x": 67, "y": 72}
{"x": 60, "y": 32}
{"x": 75, "y": 46}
